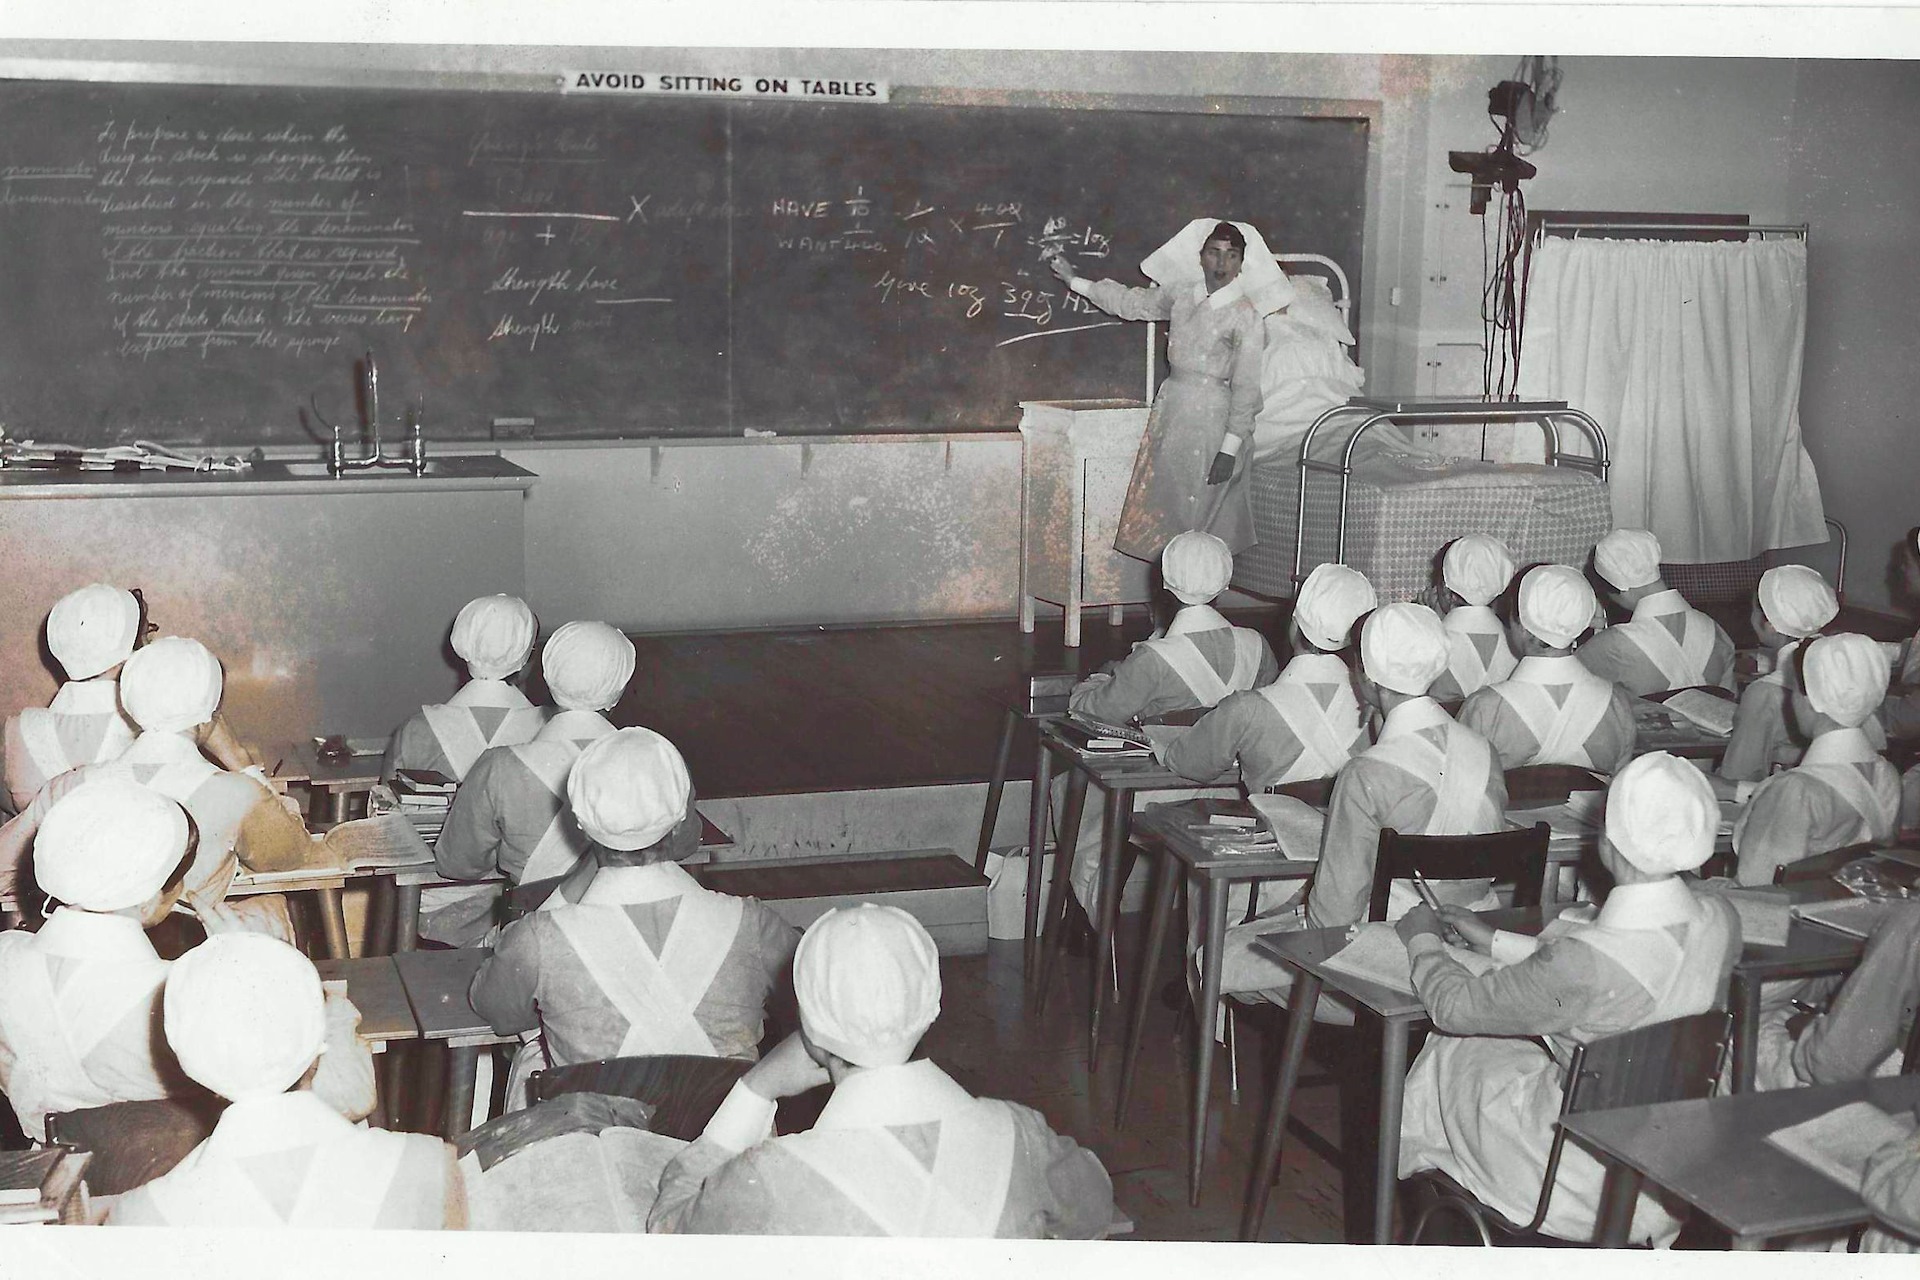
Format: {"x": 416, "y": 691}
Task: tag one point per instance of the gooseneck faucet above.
{"x": 338, "y": 463}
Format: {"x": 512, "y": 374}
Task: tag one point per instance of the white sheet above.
{"x": 1688, "y": 354}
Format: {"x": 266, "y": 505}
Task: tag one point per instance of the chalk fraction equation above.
{"x": 983, "y": 260}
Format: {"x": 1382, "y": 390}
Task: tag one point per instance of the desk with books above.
{"x": 1117, "y": 774}
{"x": 1307, "y": 952}
{"x": 1209, "y": 867}
{"x": 1713, "y": 1154}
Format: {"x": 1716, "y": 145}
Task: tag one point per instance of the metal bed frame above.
{"x": 1549, "y": 414}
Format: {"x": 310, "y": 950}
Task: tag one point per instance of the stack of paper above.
{"x": 1766, "y": 915}
{"x": 1839, "y": 1143}
{"x": 1705, "y": 710}
{"x": 1296, "y": 824}
{"x": 1858, "y": 917}
{"x": 1376, "y": 954}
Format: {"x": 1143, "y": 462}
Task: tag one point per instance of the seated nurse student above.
{"x": 1666, "y": 644}
{"x": 1476, "y": 570}
{"x": 1303, "y": 727}
{"x": 1200, "y": 660}
{"x": 1863, "y": 1029}
{"x": 1307, "y": 723}
{"x": 1424, "y": 775}
{"x": 510, "y": 814}
{"x": 246, "y": 1018}
{"x": 1484, "y": 1095}
{"x": 630, "y": 956}
{"x": 79, "y": 998}
{"x": 1842, "y": 792}
{"x": 1552, "y": 709}
{"x": 493, "y": 636}
{"x": 1792, "y": 604}
{"x": 171, "y": 689}
{"x": 90, "y": 632}
{"x": 899, "y": 1149}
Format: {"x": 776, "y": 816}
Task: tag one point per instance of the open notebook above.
{"x": 1838, "y": 1143}
{"x": 1376, "y": 954}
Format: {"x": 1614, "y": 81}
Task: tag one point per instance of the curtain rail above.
{"x": 1548, "y": 227}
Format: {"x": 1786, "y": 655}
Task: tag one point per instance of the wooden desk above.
{"x": 1208, "y": 874}
{"x": 1713, "y": 1154}
{"x": 299, "y": 762}
{"x": 437, "y": 985}
{"x": 1811, "y": 952}
{"x": 374, "y": 986}
{"x": 326, "y": 884}
{"x": 386, "y": 1017}
{"x": 1117, "y": 779}
{"x": 1306, "y": 952}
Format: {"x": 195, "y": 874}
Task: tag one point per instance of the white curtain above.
{"x": 1688, "y": 355}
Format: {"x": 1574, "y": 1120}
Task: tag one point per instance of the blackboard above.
{"x": 207, "y": 264}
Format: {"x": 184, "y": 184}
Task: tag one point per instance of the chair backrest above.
{"x": 1820, "y": 865}
{"x": 1669, "y": 1061}
{"x": 1534, "y": 786}
{"x": 684, "y": 1090}
{"x": 135, "y": 1142}
{"x": 1519, "y": 857}
{"x": 1666, "y": 1062}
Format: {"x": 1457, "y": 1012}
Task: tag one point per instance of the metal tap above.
{"x": 338, "y": 463}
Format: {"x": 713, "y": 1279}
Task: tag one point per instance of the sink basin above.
{"x": 319, "y": 471}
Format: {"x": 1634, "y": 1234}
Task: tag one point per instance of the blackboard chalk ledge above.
{"x": 271, "y": 478}
{"x": 995, "y": 435}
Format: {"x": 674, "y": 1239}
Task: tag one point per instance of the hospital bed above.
{"x": 1355, "y": 491}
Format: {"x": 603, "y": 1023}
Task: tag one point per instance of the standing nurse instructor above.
{"x": 1214, "y": 284}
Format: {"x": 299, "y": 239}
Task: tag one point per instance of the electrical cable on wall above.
{"x": 1519, "y": 110}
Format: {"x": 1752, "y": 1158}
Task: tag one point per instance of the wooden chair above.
{"x": 135, "y": 1142}
{"x": 683, "y": 1089}
{"x": 1516, "y": 856}
{"x": 1666, "y": 1062}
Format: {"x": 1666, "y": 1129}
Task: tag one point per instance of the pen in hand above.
{"x": 1447, "y": 931}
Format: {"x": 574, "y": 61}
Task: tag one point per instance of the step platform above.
{"x": 935, "y": 886}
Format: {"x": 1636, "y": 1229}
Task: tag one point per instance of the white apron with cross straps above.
{"x": 56, "y": 743}
{"x": 1324, "y": 747}
{"x": 1877, "y": 815}
{"x": 1180, "y": 653}
{"x": 1469, "y": 673}
{"x": 1460, "y": 792}
{"x": 460, "y": 738}
{"x": 656, "y": 995}
{"x": 562, "y": 843}
{"x": 1683, "y": 662}
{"x": 963, "y": 1195}
{"x": 49, "y": 1072}
{"x": 1561, "y": 732}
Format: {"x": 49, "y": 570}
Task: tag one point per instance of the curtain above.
{"x": 1687, "y": 353}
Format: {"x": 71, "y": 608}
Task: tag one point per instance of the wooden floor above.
{"x": 995, "y": 1042}
{"x": 852, "y": 708}
{"x": 816, "y": 709}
